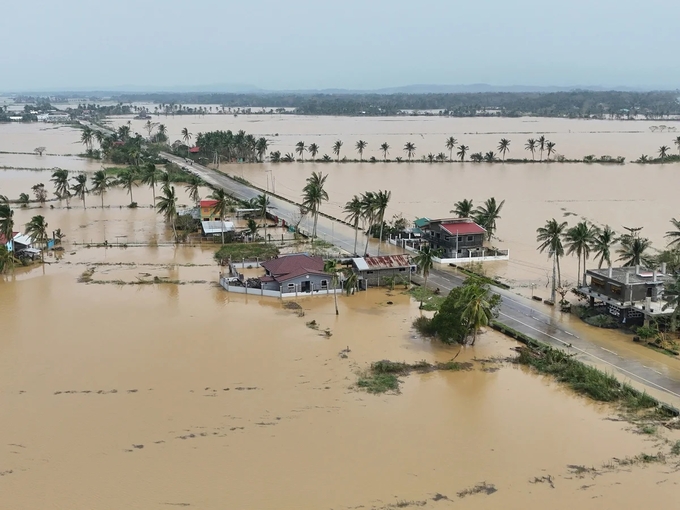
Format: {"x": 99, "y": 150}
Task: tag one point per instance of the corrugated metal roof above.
{"x": 421, "y": 222}
{"x": 383, "y": 262}
{"x": 462, "y": 228}
{"x": 360, "y": 264}
{"x": 214, "y": 227}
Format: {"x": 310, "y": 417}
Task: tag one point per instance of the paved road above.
{"x": 518, "y": 313}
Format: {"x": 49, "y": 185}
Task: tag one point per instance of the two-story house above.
{"x": 456, "y": 237}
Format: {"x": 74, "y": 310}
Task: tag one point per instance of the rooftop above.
{"x": 4, "y": 240}
{"x": 383, "y": 262}
{"x": 208, "y": 203}
{"x": 637, "y": 275}
{"x": 194, "y": 150}
{"x": 216, "y": 227}
{"x": 291, "y": 266}
{"x": 462, "y": 226}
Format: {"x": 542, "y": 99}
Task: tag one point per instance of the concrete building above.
{"x": 297, "y": 272}
{"x": 457, "y": 237}
{"x": 375, "y": 271}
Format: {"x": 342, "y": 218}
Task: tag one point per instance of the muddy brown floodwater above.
{"x": 124, "y": 393}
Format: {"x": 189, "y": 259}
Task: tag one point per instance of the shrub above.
{"x": 423, "y": 325}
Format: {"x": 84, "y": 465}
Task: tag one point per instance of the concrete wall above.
{"x": 376, "y": 277}
{"x": 224, "y": 282}
{"x": 639, "y": 291}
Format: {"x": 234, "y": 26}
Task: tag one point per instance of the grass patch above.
{"x": 602, "y": 321}
{"x": 248, "y": 251}
{"x": 648, "y": 429}
{"x": 378, "y": 383}
{"x": 86, "y": 276}
{"x": 383, "y": 376}
{"x": 431, "y": 301}
{"x": 480, "y": 488}
{"x": 675, "y": 449}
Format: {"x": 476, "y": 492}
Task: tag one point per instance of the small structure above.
{"x": 371, "y": 270}
{"x": 194, "y": 150}
{"x": 208, "y": 210}
{"x": 22, "y": 242}
{"x": 8, "y": 243}
{"x": 297, "y": 272}
{"x": 215, "y": 228}
{"x": 631, "y": 294}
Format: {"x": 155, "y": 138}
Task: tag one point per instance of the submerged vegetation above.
{"x": 383, "y": 376}
{"x": 245, "y": 251}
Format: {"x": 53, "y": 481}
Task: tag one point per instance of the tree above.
{"x": 451, "y": 144}
{"x": 674, "y": 235}
{"x": 671, "y": 295}
{"x": 252, "y": 227}
{"x": 336, "y": 149}
{"x": 360, "y": 146}
{"x": 550, "y": 147}
{"x": 382, "y": 199}
{"x": 368, "y": 212}
{"x": 541, "y": 145}
{"x": 261, "y": 204}
{"x": 100, "y": 184}
{"x": 86, "y": 137}
{"x": 61, "y": 185}
{"x": 149, "y": 126}
{"x": 486, "y": 215}
{"x": 504, "y": 147}
{"x": 351, "y": 281}
{"x": 550, "y": 238}
{"x": 313, "y": 149}
{"x": 186, "y": 136}
{"x": 40, "y": 193}
{"x": 602, "y": 244}
{"x": 330, "y": 267}
{"x": 462, "y": 151}
{"x": 633, "y": 250}
{"x": 166, "y": 204}
{"x": 6, "y": 229}
{"x": 531, "y": 146}
{"x": 385, "y": 148}
{"x": 300, "y": 148}
{"x": 663, "y": 152}
{"x": 24, "y": 199}
{"x": 479, "y": 307}
{"x": 6, "y": 258}
{"x": 39, "y": 150}
{"x": 677, "y": 143}
{"x": 80, "y": 187}
{"x": 463, "y": 208}
{"x": 261, "y": 147}
{"x": 579, "y": 239}
{"x": 410, "y": 149}
{"x": 490, "y": 157}
{"x": 193, "y": 187}
{"x": 150, "y": 177}
{"x": 37, "y": 231}
{"x": 354, "y": 211}
{"x": 425, "y": 261}
{"x": 128, "y": 180}
{"x": 313, "y": 194}
{"x": 221, "y": 207}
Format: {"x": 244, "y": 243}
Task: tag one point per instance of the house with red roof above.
{"x": 297, "y": 272}
{"x": 208, "y": 210}
{"x": 456, "y": 237}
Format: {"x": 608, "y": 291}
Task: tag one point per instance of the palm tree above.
{"x": 671, "y": 295}
{"x": 463, "y": 208}
{"x": 313, "y": 195}
{"x": 162, "y": 130}
{"x": 261, "y": 204}
{"x": 150, "y": 177}
{"x": 221, "y": 207}
{"x": 478, "y": 310}
{"x": 192, "y": 188}
{"x": 504, "y": 146}
{"x": 330, "y": 267}
{"x": 6, "y": 224}
{"x": 351, "y": 280}
{"x": 490, "y": 157}
{"x": 300, "y": 148}
{"x": 633, "y": 250}
{"x": 360, "y": 146}
{"x": 674, "y": 235}
{"x": 313, "y": 149}
{"x": 550, "y": 238}
{"x": 252, "y": 228}
{"x": 186, "y": 136}
{"x": 128, "y": 179}
{"x": 451, "y": 144}
{"x": 382, "y": 199}
{"x": 61, "y": 185}
{"x": 385, "y": 148}
{"x": 261, "y": 147}
{"x": 336, "y": 149}
{"x": 551, "y": 148}
{"x": 99, "y": 136}
{"x": 37, "y": 231}
{"x": 86, "y": 137}
{"x": 166, "y": 205}
{"x": 462, "y": 151}
{"x": 368, "y": 212}
{"x": 425, "y": 261}
{"x": 663, "y": 152}
{"x": 486, "y": 215}
{"x": 410, "y": 149}
{"x": 602, "y": 244}
{"x": 541, "y": 145}
{"x": 100, "y": 183}
{"x": 80, "y": 187}
{"x": 677, "y": 143}
{"x": 354, "y": 210}
{"x": 531, "y": 146}
{"x": 579, "y": 240}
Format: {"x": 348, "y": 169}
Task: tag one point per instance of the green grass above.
{"x": 248, "y": 251}
{"x": 675, "y": 449}
{"x": 378, "y": 383}
{"x": 431, "y": 301}
{"x": 382, "y": 376}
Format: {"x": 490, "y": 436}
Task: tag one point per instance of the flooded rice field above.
{"x": 151, "y": 387}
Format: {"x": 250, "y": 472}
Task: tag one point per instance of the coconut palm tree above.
{"x": 504, "y": 146}
{"x": 150, "y": 177}
{"x": 382, "y": 200}
{"x": 674, "y": 235}
{"x": 252, "y": 228}
{"x": 100, "y": 184}
{"x": 579, "y": 239}
{"x": 490, "y": 157}
{"x": 663, "y": 152}
{"x": 86, "y": 137}
{"x": 261, "y": 147}
{"x": 368, "y": 212}
{"x": 462, "y": 151}
{"x": 479, "y": 308}
{"x": 221, "y": 207}
{"x": 602, "y": 243}
{"x": 633, "y": 250}
{"x": 186, "y": 136}
{"x": 313, "y": 194}
{"x": 351, "y": 281}
{"x": 6, "y": 225}
{"x": 451, "y": 144}
{"x": 192, "y": 188}
{"x": 463, "y": 208}
{"x": 128, "y": 180}
{"x": 300, "y": 148}
{"x": 425, "y": 261}
{"x": 336, "y": 149}
{"x": 486, "y": 215}
{"x": 330, "y": 267}
{"x": 677, "y": 143}
{"x": 550, "y": 146}
{"x": 37, "y": 231}
{"x": 671, "y": 295}
{"x": 99, "y": 136}
{"x": 163, "y": 131}
{"x": 410, "y": 149}
{"x": 313, "y": 149}
{"x": 61, "y": 185}
{"x": 166, "y": 204}
{"x": 80, "y": 187}
{"x": 541, "y": 145}
{"x": 261, "y": 204}
{"x": 531, "y": 146}
{"x": 385, "y": 148}
{"x": 360, "y": 146}
{"x": 354, "y": 211}
{"x": 550, "y": 238}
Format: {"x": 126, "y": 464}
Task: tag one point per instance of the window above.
{"x": 616, "y": 289}
{"x": 470, "y": 239}
{"x": 596, "y": 283}
{"x": 369, "y": 272}
{"x": 324, "y": 284}
{"x": 460, "y": 239}
{"x": 291, "y": 287}
{"x": 402, "y": 269}
{"x": 439, "y": 235}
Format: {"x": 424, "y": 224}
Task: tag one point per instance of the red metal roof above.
{"x": 462, "y": 228}
{"x": 194, "y": 150}
{"x": 291, "y": 266}
{"x": 4, "y": 240}
{"x": 208, "y": 203}
{"x": 387, "y": 261}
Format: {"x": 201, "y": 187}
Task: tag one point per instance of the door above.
{"x": 305, "y": 286}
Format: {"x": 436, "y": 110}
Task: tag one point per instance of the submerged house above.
{"x": 632, "y": 294}
{"x": 457, "y": 237}
{"x": 296, "y": 272}
{"x": 208, "y": 210}
{"x": 372, "y": 271}
{"x": 215, "y": 228}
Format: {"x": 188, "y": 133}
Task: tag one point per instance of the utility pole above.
{"x": 554, "y": 277}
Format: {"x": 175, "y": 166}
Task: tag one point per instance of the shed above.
{"x": 211, "y": 228}
{"x": 370, "y": 270}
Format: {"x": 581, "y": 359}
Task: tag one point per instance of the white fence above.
{"x": 501, "y": 254}
{"x": 229, "y": 284}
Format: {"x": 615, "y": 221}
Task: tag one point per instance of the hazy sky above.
{"x": 306, "y": 44}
